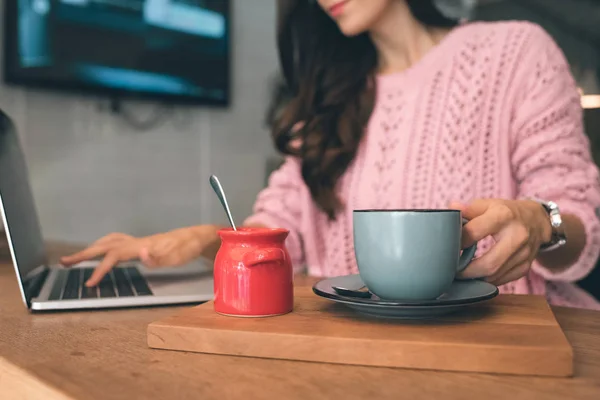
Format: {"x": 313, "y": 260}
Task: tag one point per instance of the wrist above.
{"x": 207, "y": 239}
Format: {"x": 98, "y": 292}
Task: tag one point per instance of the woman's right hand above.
{"x": 172, "y": 248}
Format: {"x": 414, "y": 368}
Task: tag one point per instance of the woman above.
{"x": 396, "y": 106}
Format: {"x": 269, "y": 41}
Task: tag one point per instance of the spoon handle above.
{"x": 216, "y": 185}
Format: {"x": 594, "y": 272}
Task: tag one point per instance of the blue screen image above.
{"x": 170, "y": 47}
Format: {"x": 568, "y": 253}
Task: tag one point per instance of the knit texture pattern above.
{"x": 490, "y": 112}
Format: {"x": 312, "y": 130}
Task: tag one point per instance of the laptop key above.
{"x": 89, "y": 292}
{"x": 59, "y": 284}
{"x": 87, "y": 274}
{"x": 122, "y": 283}
{"x": 71, "y": 291}
{"x": 139, "y": 282}
{"x": 106, "y": 287}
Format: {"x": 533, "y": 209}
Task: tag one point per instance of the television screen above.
{"x": 171, "y": 49}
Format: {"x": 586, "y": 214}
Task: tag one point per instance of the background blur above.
{"x": 94, "y": 173}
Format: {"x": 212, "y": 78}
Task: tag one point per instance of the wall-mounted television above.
{"x": 175, "y": 50}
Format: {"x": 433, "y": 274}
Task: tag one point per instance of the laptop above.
{"x": 53, "y": 287}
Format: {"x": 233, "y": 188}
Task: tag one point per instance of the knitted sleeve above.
{"x": 551, "y": 155}
{"x": 279, "y": 205}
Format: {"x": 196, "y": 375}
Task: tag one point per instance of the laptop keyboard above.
{"x": 120, "y": 282}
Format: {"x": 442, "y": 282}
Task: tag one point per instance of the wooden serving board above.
{"x": 511, "y": 334}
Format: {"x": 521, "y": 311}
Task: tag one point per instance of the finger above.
{"x": 476, "y": 208}
{"x": 102, "y": 269}
{"x": 104, "y": 242}
{"x": 112, "y": 238}
{"x": 87, "y": 254}
{"x": 512, "y": 275}
{"x": 518, "y": 258}
{"x": 483, "y": 226}
{"x": 491, "y": 262}
{"x": 457, "y": 205}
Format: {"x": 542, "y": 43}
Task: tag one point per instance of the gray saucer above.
{"x": 460, "y": 295}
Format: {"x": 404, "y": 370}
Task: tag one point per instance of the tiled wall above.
{"x": 92, "y": 174}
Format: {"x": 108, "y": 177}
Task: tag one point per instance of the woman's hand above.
{"x": 519, "y": 227}
{"x": 173, "y": 248}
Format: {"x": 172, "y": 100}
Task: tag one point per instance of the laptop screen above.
{"x": 18, "y": 209}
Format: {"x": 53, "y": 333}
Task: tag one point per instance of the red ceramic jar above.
{"x": 253, "y": 273}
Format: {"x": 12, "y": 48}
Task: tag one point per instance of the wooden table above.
{"x": 103, "y": 355}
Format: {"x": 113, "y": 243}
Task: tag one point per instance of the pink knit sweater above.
{"x": 490, "y": 112}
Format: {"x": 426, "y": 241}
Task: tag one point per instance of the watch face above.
{"x": 558, "y": 235}
{"x": 556, "y": 220}
{"x": 552, "y": 205}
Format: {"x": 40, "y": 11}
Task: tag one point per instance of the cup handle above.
{"x": 467, "y": 254}
{"x": 262, "y": 256}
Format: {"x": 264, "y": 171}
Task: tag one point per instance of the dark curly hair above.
{"x": 329, "y": 88}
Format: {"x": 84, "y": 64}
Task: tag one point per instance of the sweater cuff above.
{"x": 589, "y": 255}
{"x": 293, "y": 243}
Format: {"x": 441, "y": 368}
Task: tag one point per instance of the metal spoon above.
{"x": 362, "y": 292}
{"x": 216, "y": 185}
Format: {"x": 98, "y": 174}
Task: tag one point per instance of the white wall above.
{"x": 92, "y": 174}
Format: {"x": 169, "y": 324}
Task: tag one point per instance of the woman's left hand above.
{"x": 519, "y": 227}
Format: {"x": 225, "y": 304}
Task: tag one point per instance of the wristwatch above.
{"x": 559, "y": 238}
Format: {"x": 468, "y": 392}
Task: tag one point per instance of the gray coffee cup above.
{"x": 409, "y": 254}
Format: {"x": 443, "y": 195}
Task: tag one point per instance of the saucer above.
{"x": 460, "y": 295}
